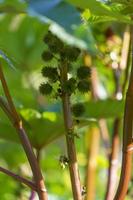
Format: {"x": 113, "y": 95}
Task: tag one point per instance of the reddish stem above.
{"x": 71, "y": 150}
{"x": 10, "y": 110}
{"x": 127, "y": 139}
{"x": 18, "y": 178}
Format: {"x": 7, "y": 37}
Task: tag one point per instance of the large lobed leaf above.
{"x": 43, "y": 128}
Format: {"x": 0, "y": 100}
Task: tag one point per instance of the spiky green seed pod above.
{"x": 84, "y": 86}
{"x": 78, "y": 109}
{"x": 50, "y": 73}
{"x": 47, "y": 56}
{"x": 76, "y": 53}
{"x": 83, "y": 72}
{"x": 70, "y": 53}
{"x": 73, "y": 81}
{"x": 69, "y": 86}
{"x": 48, "y": 37}
{"x": 56, "y": 45}
{"x": 45, "y": 89}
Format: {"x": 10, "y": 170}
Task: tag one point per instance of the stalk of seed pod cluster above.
{"x": 71, "y": 149}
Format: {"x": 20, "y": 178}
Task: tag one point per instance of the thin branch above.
{"x": 18, "y": 178}
{"x": 125, "y": 49}
{"x": 71, "y": 149}
{"x": 113, "y": 162}
{"x": 38, "y": 156}
{"x": 94, "y": 137}
{"x": 11, "y": 112}
{"x": 8, "y": 96}
{"x": 6, "y": 109}
{"x": 32, "y": 195}
{"x": 127, "y": 139}
{"x": 125, "y": 55}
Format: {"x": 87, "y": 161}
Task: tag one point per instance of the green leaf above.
{"x": 128, "y": 10}
{"x": 54, "y": 10}
{"x": 9, "y": 154}
{"x": 96, "y": 8}
{"x": 23, "y": 35}
{"x": 124, "y": 2}
{"x": 68, "y": 26}
{"x": 43, "y": 128}
{"x": 104, "y": 109}
{"x": 13, "y": 6}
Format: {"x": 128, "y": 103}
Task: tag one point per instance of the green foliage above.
{"x": 45, "y": 89}
{"x": 125, "y": 2}
{"x": 47, "y": 56}
{"x": 70, "y": 53}
{"x": 84, "y": 86}
{"x": 69, "y": 86}
{"x": 67, "y": 27}
{"x": 83, "y": 72}
{"x": 42, "y": 128}
{"x": 14, "y": 6}
{"x": 50, "y": 73}
{"x": 78, "y": 109}
{"x": 21, "y": 46}
{"x": 54, "y": 43}
{"x": 23, "y": 35}
{"x": 48, "y": 126}
{"x": 100, "y": 12}
{"x": 104, "y": 109}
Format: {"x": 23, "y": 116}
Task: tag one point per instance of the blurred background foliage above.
{"x": 23, "y": 25}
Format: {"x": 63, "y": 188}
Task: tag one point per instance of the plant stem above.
{"x": 112, "y": 174}
{"x": 42, "y": 193}
{"x": 92, "y": 162}
{"x": 71, "y": 149}
{"x": 17, "y": 123}
{"x": 91, "y": 168}
{"x": 32, "y": 195}
{"x": 113, "y": 161}
{"x": 38, "y": 156}
{"x": 18, "y": 178}
{"x": 127, "y": 139}
{"x": 113, "y": 157}
{"x": 125, "y": 48}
